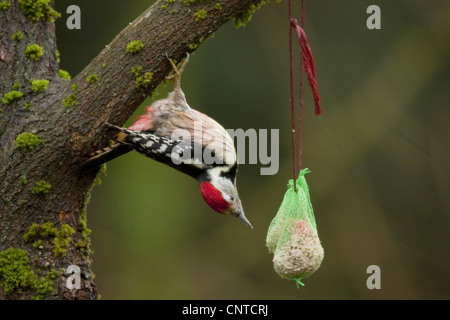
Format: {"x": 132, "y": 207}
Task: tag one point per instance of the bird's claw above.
{"x": 177, "y": 71}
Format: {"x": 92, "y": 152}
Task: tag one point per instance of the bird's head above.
{"x": 221, "y": 194}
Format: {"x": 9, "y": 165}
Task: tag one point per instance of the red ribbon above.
{"x": 307, "y": 64}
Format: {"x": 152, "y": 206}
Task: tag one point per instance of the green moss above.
{"x": 15, "y": 271}
{"x": 23, "y": 180}
{"x": 136, "y": 70}
{"x": 11, "y": 96}
{"x": 16, "y": 275}
{"x": 46, "y": 231}
{"x": 27, "y": 141}
{"x": 144, "y": 81}
{"x": 164, "y": 7}
{"x": 46, "y": 284}
{"x": 4, "y": 5}
{"x": 192, "y": 46}
{"x": 27, "y": 105}
{"x": 189, "y": 2}
{"x": 101, "y": 171}
{"x": 218, "y": 6}
{"x": 16, "y": 86}
{"x": 62, "y": 240}
{"x": 40, "y": 232}
{"x": 38, "y": 244}
{"x": 41, "y": 187}
{"x": 32, "y": 232}
{"x": 58, "y": 56}
{"x": 104, "y": 65}
{"x": 70, "y": 100}
{"x": 34, "y": 52}
{"x": 39, "y": 85}
{"x": 242, "y": 19}
{"x": 92, "y": 78}
{"x": 66, "y": 231}
{"x": 85, "y": 242}
{"x": 39, "y": 10}
{"x": 17, "y": 36}
{"x": 200, "y": 15}
{"x": 135, "y": 46}
{"x": 64, "y": 74}
{"x": 52, "y": 14}
{"x": 171, "y": 1}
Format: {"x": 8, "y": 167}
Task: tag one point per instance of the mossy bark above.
{"x": 71, "y": 132}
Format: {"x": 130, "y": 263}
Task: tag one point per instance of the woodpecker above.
{"x": 185, "y": 139}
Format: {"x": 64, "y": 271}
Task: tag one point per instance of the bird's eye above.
{"x": 231, "y": 198}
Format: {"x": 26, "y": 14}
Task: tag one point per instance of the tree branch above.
{"x": 164, "y": 28}
{"x": 45, "y": 134}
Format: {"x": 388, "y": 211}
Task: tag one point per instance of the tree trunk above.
{"x": 47, "y": 130}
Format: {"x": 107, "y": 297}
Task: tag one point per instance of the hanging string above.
{"x": 300, "y": 115}
{"x": 306, "y": 64}
{"x": 291, "y": 71}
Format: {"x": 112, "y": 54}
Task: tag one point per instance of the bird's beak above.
{"x": 243, "y": 218}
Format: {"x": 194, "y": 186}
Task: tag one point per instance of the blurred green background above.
{"x": 378, "y": 155}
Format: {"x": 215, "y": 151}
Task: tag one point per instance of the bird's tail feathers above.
{"x": 104, "y": 155}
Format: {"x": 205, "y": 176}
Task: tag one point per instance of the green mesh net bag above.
{"x": 292, "y": 236}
